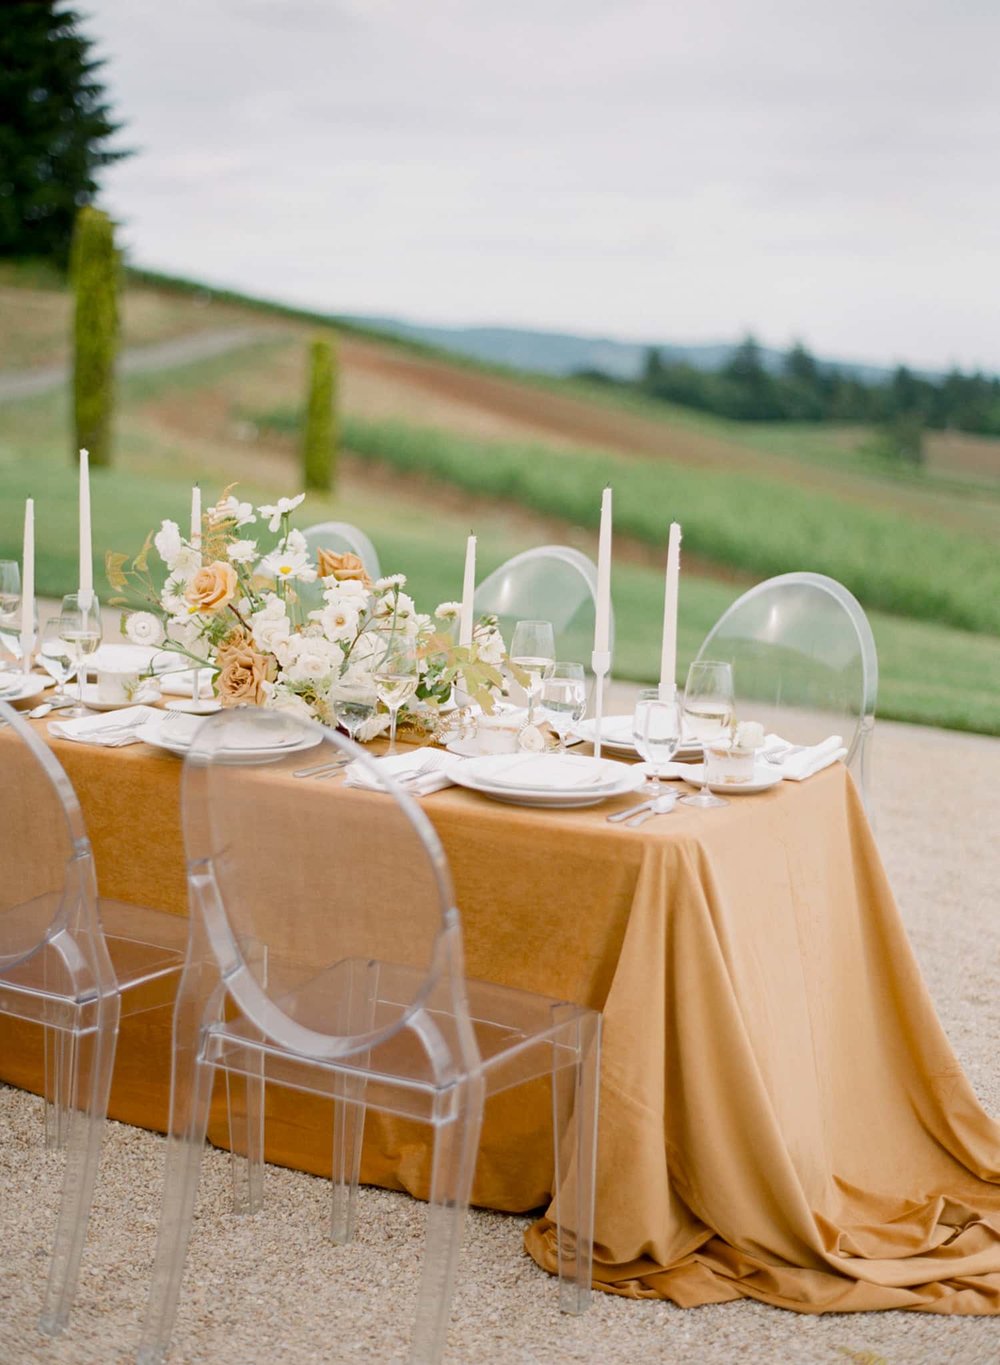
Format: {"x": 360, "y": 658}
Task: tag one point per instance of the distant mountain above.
{"x": 563, "y": 353}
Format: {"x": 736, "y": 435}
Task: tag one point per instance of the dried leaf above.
{"x": 114, "y": 564}
{"x": 141, "y": 562}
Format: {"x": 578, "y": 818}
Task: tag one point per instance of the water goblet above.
{"x": 708, "y": 713}
{"x": 563, "y": 698}
{"x": 533, "y": 648}
{"x": 396, "y": 675}
{"x": 10, "y": 600}
{"x": 656, "y": 732}
{"x": 81, "y": 629}
{"x": 56, "y": 657}
{"x": 353, "y": 704}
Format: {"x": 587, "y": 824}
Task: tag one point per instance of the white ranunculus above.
{"x": 281, "y": 699}
{"x": 143, "y": 628}
{"x": 187, "y": 563}
{"x": 392, "y": 580}
{"x": 448, "y": 611}
{"x": 168, "y": 542}
{"x": 350, "y": 590}
{"x": 749, "y": 735}
{"x": 277, "y": 510}
{"x": 270, "y": 626}
{"x": 489, "y": 644}
{"x": 242, "y": 551}
{"x": 296, "y": 541}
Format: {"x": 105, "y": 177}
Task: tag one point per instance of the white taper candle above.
{"x": 28, "y": 586}
{"x": 468, "y": 594}
{"x": 668, "y": 651}
{"x": 85, "y": 591}
{"x": 602, "y": 623}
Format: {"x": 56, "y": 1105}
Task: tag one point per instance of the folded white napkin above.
{"x": 434, "y": 765}
{"x": 110, "y": 731}
{"x": 812, "y": 758}
{"x": 549, "y": 772}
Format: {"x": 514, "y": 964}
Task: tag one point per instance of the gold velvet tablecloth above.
{"x": 782, "y": 1116}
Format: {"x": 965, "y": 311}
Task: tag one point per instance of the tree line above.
{"x": 803, "y": 389}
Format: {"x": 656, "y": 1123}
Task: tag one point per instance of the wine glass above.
{"x": 563, "y": 698}
{"x": 656, "y": 732}
{"x": 10, "y": 600}
{"x": 533, "y": 648}
{"x": 396, "y": 675}
{"x": 353, "y": 704}
{"x": 708, "y": 713}
{"x": 56, "y": 657}
{"x": 81, "y": 629}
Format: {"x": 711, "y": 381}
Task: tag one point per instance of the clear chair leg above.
{"x": 95, "y": 1058}
{"x": 245, "y": 1106}
{"x": 575, "y": 1089}
{"x": 358, "y": 1002}
{"x": 180, "y": 1192}
{"x": 60, "y": 1071}
{"x": 456, "y": 1141}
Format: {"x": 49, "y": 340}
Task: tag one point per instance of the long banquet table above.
{"x": 782, "y": 1116}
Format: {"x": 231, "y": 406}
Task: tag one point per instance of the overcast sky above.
{"x": 635, "y": 168}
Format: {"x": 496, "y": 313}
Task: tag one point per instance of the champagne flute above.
{"x": 708, "y": 713}
{"x": 81, "y": 629}
{"x": 563, "y": 698}
{"x": 533, "y": 648}
{"x": 353, "y": 704}
{"x": 56, "y": 657}
{"x": 656, "y": 732}
{"x": 10, "y": 600}
{"x": 396, "y": 675}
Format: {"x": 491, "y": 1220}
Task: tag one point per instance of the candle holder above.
{"x": 600, "y": 662}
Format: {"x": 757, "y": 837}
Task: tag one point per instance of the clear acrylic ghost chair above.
{"x": 550, "y": 583}
{"x": 323, "y": 920}
{"x": 71, "y": 964}
{"x": 341, "y": 536}
{"x": 804, "y": 662}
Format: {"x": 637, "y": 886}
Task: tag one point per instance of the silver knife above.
{"x": 632, "y": 810}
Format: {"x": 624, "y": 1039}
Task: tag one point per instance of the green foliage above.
{"x": 54, "y": 124}
{"x": 94, "y": 269}
{"x": 901, "y": 438}
{"x": 757, "y": 525}
{"x": 319, "y": 437}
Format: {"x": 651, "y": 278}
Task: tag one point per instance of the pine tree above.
{"x": 94, "y": 271}
{"x": 319, "y": 440}
{"x": 54, "y": 126}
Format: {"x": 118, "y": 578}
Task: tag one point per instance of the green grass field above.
{"x": 933, "y": 592}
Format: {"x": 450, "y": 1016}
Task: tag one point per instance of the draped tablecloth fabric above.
{"x": 782, "y": 1116}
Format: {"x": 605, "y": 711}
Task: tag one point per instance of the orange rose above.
{"x": 212, "y": 588}
{"x": 242, "y": 672}
{"x": 344, "y": 568}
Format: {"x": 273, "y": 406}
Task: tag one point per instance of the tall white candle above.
{"x": 196, "y": 516}
{"x": 602, "y": 623}
{"x": 468, "y": 593}
{"x": 86, "y": 588}
{"x": 668, "y": 652}
{"x": 28, "y": 586}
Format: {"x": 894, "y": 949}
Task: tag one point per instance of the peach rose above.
{"x": 242, "y": 672}
{"x": 212, "y": 587}
{"x": 344, "y": 568}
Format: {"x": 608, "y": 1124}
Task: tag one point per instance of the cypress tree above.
{"x": 54, "y": 127}
{"x": 94, "y": 271}
{"x": 319, "y": 439}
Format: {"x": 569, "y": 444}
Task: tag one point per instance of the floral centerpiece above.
{"x": 245, "y": 600}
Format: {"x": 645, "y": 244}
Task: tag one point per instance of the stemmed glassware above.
{"x": 533, "y": 648}
{"x": 396, "y": 675}
{"x": 81, "y": 630}
{"x": 353, "y": 704}
{"x": 656, "y": 732}
{"x": 708, "y": 713}
{"x": 563, "y": 698}
{"x": 56, "y": 657}
{"x": 10, "y": 600}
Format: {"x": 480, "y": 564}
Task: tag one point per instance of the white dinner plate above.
{"x": 765, "y": 776}
{"x": 494, "y": 775}
{"x": 616, "y": 736}
{"x": 15, "y": 686}
{"x": 166, "y": 731}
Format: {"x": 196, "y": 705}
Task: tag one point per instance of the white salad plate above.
{"x": 765, "y": 776}
{"x": 548, "y": 780}
{"x": 616, "y": 736}
{"x": 174, "y": 732}
{"x": 16, "y": 686}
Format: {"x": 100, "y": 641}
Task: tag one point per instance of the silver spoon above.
{"x": 661, "y": 806}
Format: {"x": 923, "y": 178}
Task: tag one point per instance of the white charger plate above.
{"x": 25, "y": 686}
{"x": 765, "y": 776}
{"x": 478, "y": 774}
{"x": 616, "y": 736}
{"x": 152, "y": 733}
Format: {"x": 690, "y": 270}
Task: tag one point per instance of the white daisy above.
{"x": 287, "y": 566}
{"x": 393, "y": 580}
{"x": 276, "y": 511}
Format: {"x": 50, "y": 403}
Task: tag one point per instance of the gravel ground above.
{"x": 271, "y": 1289}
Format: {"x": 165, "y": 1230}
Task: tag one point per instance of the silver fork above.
{"x": 432, "y": 763}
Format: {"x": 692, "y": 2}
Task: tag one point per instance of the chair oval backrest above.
{"x": 341, "y": 537}
{"x": 41, "y": 836}
{"x": 804, "y": 659}
{"x": 308, "y": 880}
{"x": 554, "y": 583}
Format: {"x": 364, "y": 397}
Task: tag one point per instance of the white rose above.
{"x": 346, "y": 590}
{"x": 269, "y": 631}
{"x": 168, "y": 542}
{"x": 242, "y": 551}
